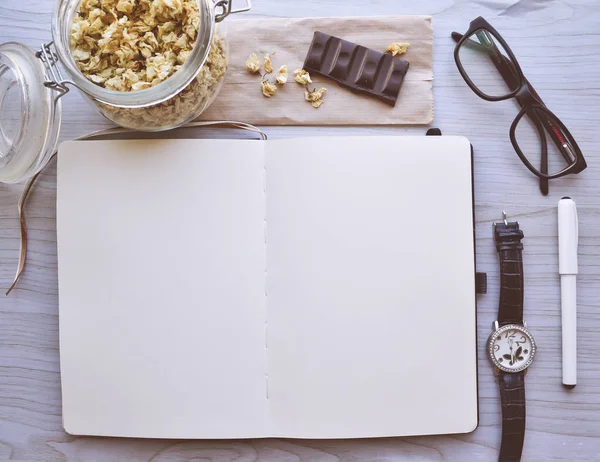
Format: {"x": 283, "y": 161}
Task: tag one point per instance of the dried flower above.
{"x": 315, "y": 97}
{"x": 253, "y": 63}
{"x": 397, "y": 49}
{"x": 190, "y": 101}
{"x": 268, "y": 89}
{"x": 268, "y": 64}
{"x": 128, "y": 45}
{"x": 282, "y": 75}
{"x": 302, "y": 77}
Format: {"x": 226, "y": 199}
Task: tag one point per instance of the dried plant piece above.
{"x": 302, "y": 77}
{"x": 253, "y": 63}
{"x": 397, "y": 49}
{"x": 124, "y": 45}
{"x": 268, "y": 64}
{"x": 315, "y": 97}
{"x": 192, "y": 100}
{"x": 282, "y": 75}
{"x": 268, "y": 89}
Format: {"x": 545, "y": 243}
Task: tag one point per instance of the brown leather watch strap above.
{"x": 507, "y": 237}
{"x": 512, "y": 395}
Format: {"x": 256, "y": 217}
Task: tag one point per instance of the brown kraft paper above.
{"x": 241, "y": 97}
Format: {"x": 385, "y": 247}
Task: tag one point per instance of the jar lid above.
{"x": 30, "y": 114}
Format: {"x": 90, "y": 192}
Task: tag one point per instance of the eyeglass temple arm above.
{"x": 544, "y": 183}
{"x": 508, "y": 73}
{"x": 510, "y": 76}
{"x": 556, "y": 134}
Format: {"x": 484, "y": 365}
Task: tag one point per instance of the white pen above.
{"x": 568, "y": 239}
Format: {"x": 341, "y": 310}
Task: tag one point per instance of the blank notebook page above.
{"x": 370, "y": 287}
{"x": 161, "y": 288}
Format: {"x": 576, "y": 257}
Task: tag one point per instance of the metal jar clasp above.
{"x": 54, "y": 78}
{"x": 224, "y": 8}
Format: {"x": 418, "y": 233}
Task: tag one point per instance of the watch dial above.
{"x": 512, "y": 348}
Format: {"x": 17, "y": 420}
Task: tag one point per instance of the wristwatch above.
{"x": 511, "y": 347}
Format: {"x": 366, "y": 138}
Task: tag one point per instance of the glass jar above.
{"x": 32, "y": 84}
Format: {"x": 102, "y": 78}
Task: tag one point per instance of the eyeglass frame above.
{"x": 530, "y": 103}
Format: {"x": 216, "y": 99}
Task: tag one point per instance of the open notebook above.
{"x": 304, "y": 288}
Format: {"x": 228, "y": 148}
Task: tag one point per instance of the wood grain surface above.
{"x": 558, "y": 45}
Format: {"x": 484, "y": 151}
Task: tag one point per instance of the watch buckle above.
{"x": 505, "y": 222}
{"x": 504, "y": 219}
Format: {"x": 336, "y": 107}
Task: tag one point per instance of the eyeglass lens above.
{"x": 487, "y": 64}
{"x": 538, "y": 135}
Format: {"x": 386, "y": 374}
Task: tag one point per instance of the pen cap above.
{"x": 568, "y": 236}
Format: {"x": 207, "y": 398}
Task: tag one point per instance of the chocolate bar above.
{"x": 356, "y": 67}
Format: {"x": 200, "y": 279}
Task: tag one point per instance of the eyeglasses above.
{"x": 490, "y": 69}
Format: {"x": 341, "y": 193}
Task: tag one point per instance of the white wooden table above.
{"x": 558, "y": 45}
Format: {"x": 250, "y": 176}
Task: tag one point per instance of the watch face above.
{"x": 511, "y": 348}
